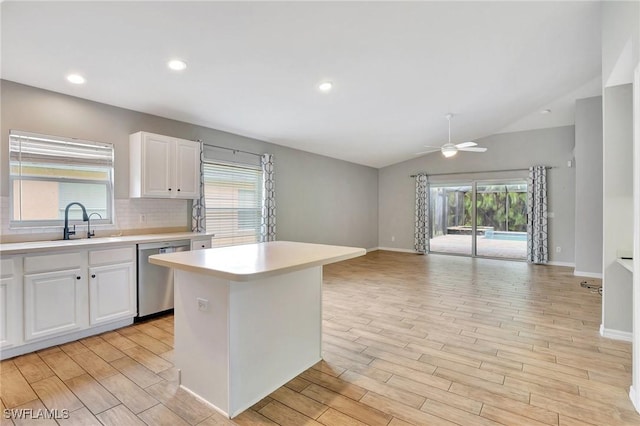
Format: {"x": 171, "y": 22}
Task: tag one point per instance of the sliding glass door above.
{"x": 451, "y": 218}
{"x": 482, "y": 218}
{"x": 501, "y": 219}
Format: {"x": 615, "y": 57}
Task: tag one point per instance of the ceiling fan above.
{"x": 449, "y": 149}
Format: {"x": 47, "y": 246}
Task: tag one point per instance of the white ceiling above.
{"x": 253, "y": 67}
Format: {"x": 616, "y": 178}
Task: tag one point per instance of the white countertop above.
{"x": 255, "y": 261}
{"x": 83, "y": 243}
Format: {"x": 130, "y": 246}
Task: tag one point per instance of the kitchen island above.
{"x": 248, "y": 318}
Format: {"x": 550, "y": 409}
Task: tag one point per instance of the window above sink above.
{"x": 49, "y": 172}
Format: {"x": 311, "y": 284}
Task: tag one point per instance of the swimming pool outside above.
{"x": 505, "y": 236}
{"x": 489, "y": 247}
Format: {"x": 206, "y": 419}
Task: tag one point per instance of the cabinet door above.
{"x": 112, "y": 293}
{"x": 53, "y": 303}
{"x": 10, "y": 312}
{"x": 187, "y": 170}
{"x": 156, "y": 166}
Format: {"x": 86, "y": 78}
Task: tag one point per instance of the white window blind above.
{"x": 233, "y": 201}
{"x": 49, "y": 172}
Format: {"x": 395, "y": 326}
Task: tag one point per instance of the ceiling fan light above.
{"x": 449, "y": 150}
{"x": 177, "y": 65}
{"x": 75, "y": 79}
{"x": 325, "y": 86}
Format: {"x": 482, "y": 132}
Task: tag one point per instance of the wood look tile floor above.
{"x": 408, "y": 339}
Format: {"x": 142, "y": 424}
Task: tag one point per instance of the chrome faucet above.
{"x": 89, "y": 232}
{"x": 66, "y": 233}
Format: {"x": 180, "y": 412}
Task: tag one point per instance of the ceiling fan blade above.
{"x": 465, "y": 144}
{"x": 474, "y": 149}
{"x": 431, "y": 147}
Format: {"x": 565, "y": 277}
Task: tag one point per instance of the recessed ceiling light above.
{"x": 177, "y": 65}
{"x": 545, "y": 111}
{"x": 325, "y": 86}
{"x": 75, "y": 79}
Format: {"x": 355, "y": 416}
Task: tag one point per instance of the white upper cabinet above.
{"x": 163, "y": 167}
{"x": 155, "y": 165}
{"x": 187, "y": 168}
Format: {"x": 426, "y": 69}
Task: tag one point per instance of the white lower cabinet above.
{"x": 5, "y": 315}
{"x": 62, "y": 295}
{"x": 55, "y": 294}
{"x": 112, "y": 292}
{"x": 10, "y": 303}
{"x": 112, "y": 284}
{"x": 73, "y": 291}
{"x": 54, "y": 303}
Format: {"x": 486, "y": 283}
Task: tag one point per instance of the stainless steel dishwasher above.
{"x": 155, "y": 283}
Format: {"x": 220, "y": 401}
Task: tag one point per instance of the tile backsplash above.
{"x": 130, "y": 214}
{"x": 158, "y": 213}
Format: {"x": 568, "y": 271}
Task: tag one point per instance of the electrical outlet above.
{"x": 558, "y": 249}
{"x": 203, "y": 304}
{"x": 142, "y": 218}
{"x": 393, "y": 238}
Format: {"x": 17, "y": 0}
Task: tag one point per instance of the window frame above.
{"x": 58, "y": 223}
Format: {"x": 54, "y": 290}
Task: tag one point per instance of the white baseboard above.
{"x": 626, "y": 336}
{"x": 204, "y": 401}
{"x": 396, "y": 249}
{"x": 587, "y": 274}
{"x": 569, "y": 264}
{"x": 369, "y": 250}
{"x": 634, "y": 398}
{"x": 53, "y": 341}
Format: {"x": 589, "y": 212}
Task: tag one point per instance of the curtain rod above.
{"x": 485, "y": 171}
{"x": 232, "y": 149}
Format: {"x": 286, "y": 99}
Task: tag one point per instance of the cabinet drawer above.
{"x": 6, "y": 267}
{"x": 201, "y": 244}
{"x": 115, "y": 255}
{"x": 54, "y": 262}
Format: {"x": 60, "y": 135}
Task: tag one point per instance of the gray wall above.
{"x": 518, "y": 150}
{"x": 319, "y": 199}
{"x": 620, "y": 41}
{"x": 588, "y": 163}
{"x": 618, "y": 206}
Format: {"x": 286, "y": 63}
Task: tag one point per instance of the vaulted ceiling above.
{"x": 253, "y": 67}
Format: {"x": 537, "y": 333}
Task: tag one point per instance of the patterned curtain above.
{"x": 421, "y": 234}
{"x": 268, "y": 228}
{"x": 198, "y": 223}
{"x": 537, "y": 241}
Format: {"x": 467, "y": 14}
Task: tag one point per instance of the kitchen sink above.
{"x": 87, "y": 240}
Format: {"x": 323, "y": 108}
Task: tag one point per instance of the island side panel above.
{"x": 275, "y": 333}
{"x": 202, "y": 337}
